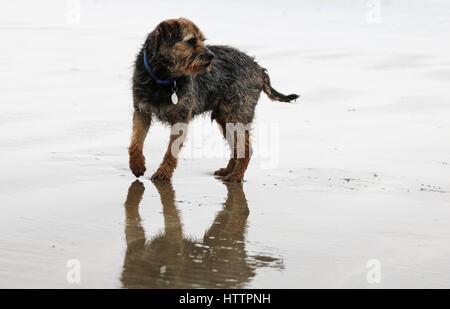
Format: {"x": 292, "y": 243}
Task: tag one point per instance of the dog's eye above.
{"x": 192, "y": 42}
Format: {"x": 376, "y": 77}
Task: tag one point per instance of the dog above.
{"x": 177, "y": 77}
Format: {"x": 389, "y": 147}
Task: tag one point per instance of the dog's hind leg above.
{"x": 170, "y": 160}
{"x": 232, "y": 162}
{"x": 141, "y": 124}
{"x": 241, "y": 159}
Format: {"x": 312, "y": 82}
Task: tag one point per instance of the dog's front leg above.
{"x": 169, "y": 163}
{"x": 141, "y": 124}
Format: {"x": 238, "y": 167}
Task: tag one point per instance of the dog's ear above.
{"x": 168, "y": 32}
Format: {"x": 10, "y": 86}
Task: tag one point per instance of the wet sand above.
{"x": 356, "y": 170}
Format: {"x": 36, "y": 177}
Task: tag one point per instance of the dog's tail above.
{"x": 272, "y": 93}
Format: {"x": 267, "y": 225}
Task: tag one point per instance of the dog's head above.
{"x": 181, "y": 43}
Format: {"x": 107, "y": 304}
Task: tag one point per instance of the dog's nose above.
{"x": 209, "y": 55}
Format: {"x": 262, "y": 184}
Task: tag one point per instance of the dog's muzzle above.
{"x": 207, "y": 57}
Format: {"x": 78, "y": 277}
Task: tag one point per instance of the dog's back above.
{"x": 234, "y": 77}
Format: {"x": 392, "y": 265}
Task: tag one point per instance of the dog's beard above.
{"x": 198, "y": 66}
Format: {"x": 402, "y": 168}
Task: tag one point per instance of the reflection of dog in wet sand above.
{"x": 171, "y": 260}
{"x": 176, "y": 76}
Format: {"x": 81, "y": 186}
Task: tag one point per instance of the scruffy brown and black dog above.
{"x": 176, "y": 76}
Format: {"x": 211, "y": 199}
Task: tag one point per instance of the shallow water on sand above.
{"x": 134, "y": 233}
{"x": 173, "y": 259}
{"x": 109, "y": 240}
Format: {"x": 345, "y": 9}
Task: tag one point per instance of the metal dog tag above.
{"x": 174, "y": 98}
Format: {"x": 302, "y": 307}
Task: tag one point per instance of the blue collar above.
{"x": 149, "y": 70}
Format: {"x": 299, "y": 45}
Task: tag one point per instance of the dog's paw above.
{"x": 138, "y": 171}
{"x": 137, "y": 166}
{"x": 161, "y": 175}
{"x": 233, "y": 178}
{"x": 222, "y": 172}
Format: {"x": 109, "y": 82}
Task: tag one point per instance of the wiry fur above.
{"x": 229, "y": 86}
